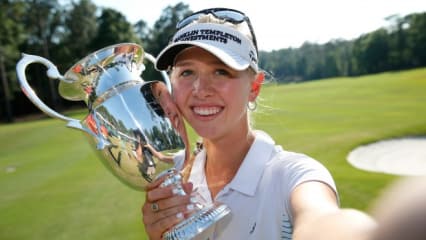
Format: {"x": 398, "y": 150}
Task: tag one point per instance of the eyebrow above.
{"x": 214, "y": 62}
{"x": 182, "y": 63}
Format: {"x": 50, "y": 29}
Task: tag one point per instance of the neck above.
{"x": 224, "y": 158}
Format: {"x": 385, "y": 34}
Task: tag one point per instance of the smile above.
{"x": 206, "y": 111}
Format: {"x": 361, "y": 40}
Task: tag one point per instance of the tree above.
{"x": 417, "y": 38}
{"x": 81, "y": 29}
{"x": 143, "y": 32}
{"x": 11, "y": 35}
{"x": 45, "y": 29}
{"x": 371, "y": 52}
{"x": 165, "y": 26}
{"x": 162, "y": 31}
{"x": 398, "y": 57}
{"x": 113, "y": 29}
{"x": 342, "y": 55}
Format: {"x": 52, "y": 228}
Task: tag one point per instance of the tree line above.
{"x": 401, "y": 45}
{"x": 66, "y": 31}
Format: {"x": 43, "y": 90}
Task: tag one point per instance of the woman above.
{"x": 272, "y": 193}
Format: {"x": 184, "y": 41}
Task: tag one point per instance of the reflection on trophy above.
{"x": 134, "y": 124}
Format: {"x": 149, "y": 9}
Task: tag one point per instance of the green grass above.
{"x": 326, "y": 119}
{"x": 52, "y": 186}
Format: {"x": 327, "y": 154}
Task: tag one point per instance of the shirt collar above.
{"x": 251, "y": 170}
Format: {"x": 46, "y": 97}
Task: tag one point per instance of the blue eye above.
{"x": 186, "y": 73}
{"x": 222, "y": 72}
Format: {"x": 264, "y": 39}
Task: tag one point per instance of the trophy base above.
{"x": 197, "y": 223}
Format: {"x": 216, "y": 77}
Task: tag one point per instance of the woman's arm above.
{"x": 316, "y": 215}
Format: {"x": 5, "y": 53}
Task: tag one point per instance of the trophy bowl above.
{"x": 130, "y": 122}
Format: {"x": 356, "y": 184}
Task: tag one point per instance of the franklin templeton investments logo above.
{"x": 207, "y": 34}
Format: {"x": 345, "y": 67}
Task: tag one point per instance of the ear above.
{"x": 256, "y": 85}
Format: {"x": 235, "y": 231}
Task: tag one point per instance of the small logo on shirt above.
{"x": 287, "y": 228}
{"x": 253, "y": 228}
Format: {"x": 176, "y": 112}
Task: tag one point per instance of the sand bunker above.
{"x": 405, "y": 156}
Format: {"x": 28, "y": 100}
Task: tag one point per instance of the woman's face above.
{"x": 211, "y": 96}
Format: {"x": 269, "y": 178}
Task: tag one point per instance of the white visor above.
{"x": 226, "y": 43}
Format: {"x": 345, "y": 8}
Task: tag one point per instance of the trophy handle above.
{"x": 53, "y": 73}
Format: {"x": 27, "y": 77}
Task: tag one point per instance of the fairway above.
{"x": 52, "y": 186}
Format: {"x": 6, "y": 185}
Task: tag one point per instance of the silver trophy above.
{"x": 130, "y": 122}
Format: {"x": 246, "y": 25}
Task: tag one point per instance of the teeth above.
{"x": 206, "y": 111}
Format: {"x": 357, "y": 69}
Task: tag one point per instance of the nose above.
{"x": 202, "y": 86}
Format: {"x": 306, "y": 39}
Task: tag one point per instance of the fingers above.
{"x": 166, "y": 203}
{"x": 155, "y": 184}
{"x": 173, "y": 207}
{"x": 157, "y": 193}
{"x": 156, "y": 230}
{"x": 169, "y": 207}
{"x": 188, "y": 187}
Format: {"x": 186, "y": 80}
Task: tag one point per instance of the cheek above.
{"x": 243, "y": 90}
{"x": 179, "y": 93}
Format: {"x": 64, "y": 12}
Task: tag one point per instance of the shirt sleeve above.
{"x": 299, "y": 169}
{"x": 303, "y": 169}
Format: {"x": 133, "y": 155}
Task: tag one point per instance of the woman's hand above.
{"x": 163, "y": 208}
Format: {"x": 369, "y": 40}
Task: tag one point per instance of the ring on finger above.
{"x": 155, "y": 207}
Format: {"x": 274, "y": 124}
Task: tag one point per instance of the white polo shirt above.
{"x": 259, "y": 194}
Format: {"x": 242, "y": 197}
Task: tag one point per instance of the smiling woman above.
{"x": 213, "y": 64}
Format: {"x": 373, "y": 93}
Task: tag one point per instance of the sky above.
{"x": 282, "y": 23}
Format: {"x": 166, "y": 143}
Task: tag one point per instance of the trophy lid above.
{"x": 102, "y": 72}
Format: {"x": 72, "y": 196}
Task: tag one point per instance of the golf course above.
{"x": 53, "y": 186}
